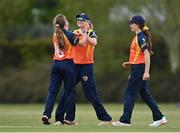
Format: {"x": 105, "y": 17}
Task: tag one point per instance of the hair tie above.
{"x": 145, "y": 28}
{"x": 57, "y": 25}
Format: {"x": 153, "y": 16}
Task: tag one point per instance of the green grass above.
{"x": 27, "y": 117}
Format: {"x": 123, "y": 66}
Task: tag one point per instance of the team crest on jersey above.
{"x": 85, "y": 78}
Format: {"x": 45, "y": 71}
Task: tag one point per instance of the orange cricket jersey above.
{"x": 136, "y": 54}
{"x": 59, "y": 54}
{"x": 84, "y": 55}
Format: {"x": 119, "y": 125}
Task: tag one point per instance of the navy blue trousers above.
{"x": 84, "y": 74}
{"x": 135, "y": 86}
{"x": 62, "y": 71}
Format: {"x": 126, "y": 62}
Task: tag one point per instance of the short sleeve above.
{"x": 92, "y": 34}
{"x": 73, "y": 39}
{"x": 142, "y": 40}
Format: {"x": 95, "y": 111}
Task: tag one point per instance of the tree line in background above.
{"x": 26, "y": 49}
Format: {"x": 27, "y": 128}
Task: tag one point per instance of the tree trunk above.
{"x": 172, "y": 42}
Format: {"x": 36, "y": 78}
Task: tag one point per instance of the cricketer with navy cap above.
{"x": 83, "y": 16}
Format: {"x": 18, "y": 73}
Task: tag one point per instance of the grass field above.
{"x": 26, "y": 118}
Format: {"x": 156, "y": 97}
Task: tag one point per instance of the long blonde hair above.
{"x": 59, "y": 22}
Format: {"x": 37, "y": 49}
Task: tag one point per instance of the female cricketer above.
{"x": 83, "y": 60}
{"x": 63, "y": 68}
{"x": 137, "y": 84}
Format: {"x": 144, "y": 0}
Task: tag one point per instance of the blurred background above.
{"x": 26, "y": 48}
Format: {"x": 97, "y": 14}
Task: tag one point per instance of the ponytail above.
{"x": 146, "y": 31}
{"x": 59, "y": 23}
{"x": 60, "y": 37}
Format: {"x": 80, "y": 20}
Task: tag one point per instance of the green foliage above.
{"x": 18, "y": 53}
{"x": 14, "y": 15}
{"x": 26, "y": 49}
{"x": 25, "y": 70}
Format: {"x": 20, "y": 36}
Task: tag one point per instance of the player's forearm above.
{"x": 147, "y": 61}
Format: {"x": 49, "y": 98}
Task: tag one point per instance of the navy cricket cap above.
{"x": 136, "y": 20}
{"x": 83, "y": 16}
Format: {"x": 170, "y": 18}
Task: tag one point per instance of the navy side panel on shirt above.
{"x": 142, "y": 41}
